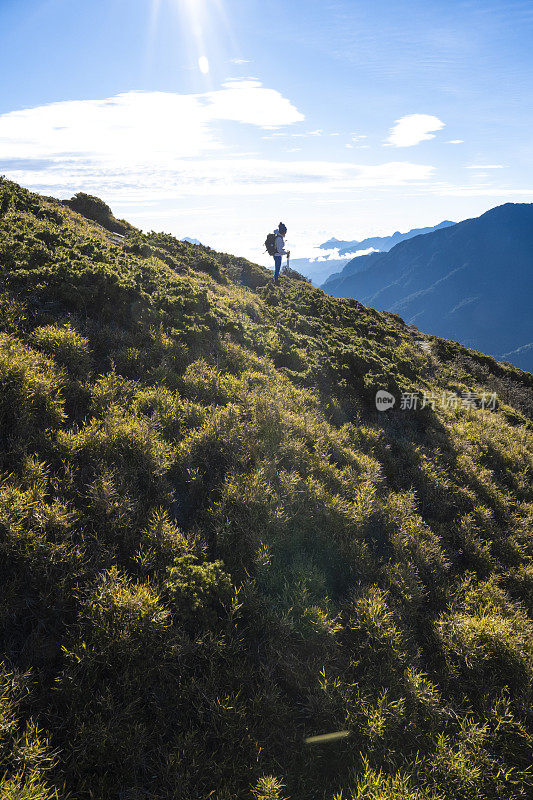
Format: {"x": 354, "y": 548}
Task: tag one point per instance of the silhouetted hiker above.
{"x": 275, "y": 245}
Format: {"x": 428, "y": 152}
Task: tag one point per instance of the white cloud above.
{"x": 361, "y": 253}
{"x": 120, "y": 128}
{"x": 145, "y": 147}
{"x": 413, "y": 129}
{"x": 455, "y": 141}
{"x": 485, "y": 166}
{"x": 335, "y": 255}
{"x": 305, "y": 134}
{"x": 240, "y": 61}
{"x": 247, "y": 101}
{"x": 356, "y": 140}
{"x": 135, "y": 126}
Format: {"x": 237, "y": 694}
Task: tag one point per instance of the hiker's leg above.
{"x": 277, "y": 267}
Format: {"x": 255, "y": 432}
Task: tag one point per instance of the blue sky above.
{"x": 216, "y": 118}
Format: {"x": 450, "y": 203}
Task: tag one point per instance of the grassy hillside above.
{"x": 212, "y": 546}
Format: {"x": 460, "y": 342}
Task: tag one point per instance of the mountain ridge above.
{"x": 310, "y": 268}
{"x": 468, "y": 282}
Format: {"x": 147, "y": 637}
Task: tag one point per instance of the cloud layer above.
{"x": 159, "y": 146}
{"x": 413, "y": 129}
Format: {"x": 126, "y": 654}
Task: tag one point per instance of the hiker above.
{"x": 279, "y": 250}
{"x": 275, "y": 246}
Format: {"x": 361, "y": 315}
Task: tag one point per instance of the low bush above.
{"x": 65, "y": 345}
{"x": 30, "y": 401}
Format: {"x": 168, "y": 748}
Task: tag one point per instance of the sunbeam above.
{"x": 155, "y": 12}
{"x": 204, "y": 31}
{"x": 154, "y": 18}
{"x": 229, "y": 30}
{"x": 195, "y": 13}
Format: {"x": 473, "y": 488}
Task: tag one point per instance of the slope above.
{"x": 470, "y": 282}
{"x": 212, "y": 546}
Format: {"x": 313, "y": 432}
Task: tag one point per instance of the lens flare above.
{"x": 203, "y": 64}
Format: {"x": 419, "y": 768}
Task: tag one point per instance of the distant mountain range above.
{"x": 318, "y": 271}
{"x": 382, "y": 243}
{"x": 471, "y": 282}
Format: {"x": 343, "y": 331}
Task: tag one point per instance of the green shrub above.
{"x": 208, "y": 263}
{"x": 488, "y": 641}
{"x": 268, "y": 788}
{"x": 30, "y": 787}
{"x": 160, "y": 543}
{"x": 197, "y": 592}
{"x": 95, "y": 209}
{"x": 205, "y": 384}
{"x": 121, "y": 618}
{"x": 13, "y": 315}
{"x": 26, "y": 755}
{"x": 375, "y": 785}
{"x": 121, "y": 442}
{"x": 30, "y": 400}
{"x": 378, "y": 641}
{"x": 66, "y": 347}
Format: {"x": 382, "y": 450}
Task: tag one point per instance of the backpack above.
{"x": 270, "y": 244}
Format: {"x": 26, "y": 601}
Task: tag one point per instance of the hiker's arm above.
{"x": 280, "y": 250}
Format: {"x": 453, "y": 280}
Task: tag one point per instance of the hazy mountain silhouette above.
{"x": 383, "y": 243}
{"x": 320, "y": 271}
{"x": 470, "y": 282}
